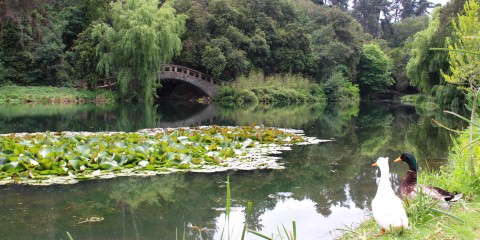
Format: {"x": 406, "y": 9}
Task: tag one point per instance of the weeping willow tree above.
{"x": 139, "y": 39}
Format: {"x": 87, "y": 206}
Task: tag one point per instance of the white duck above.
{"x": 387, "y": 208}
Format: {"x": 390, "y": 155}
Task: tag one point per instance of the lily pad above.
{"x": 69, "y": 157}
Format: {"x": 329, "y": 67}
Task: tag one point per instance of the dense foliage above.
{"x": 256, "y": 88}
{"x": 425, "y": 66}
{"x": 374, "y": 74}
{"x": 78, "y": 43}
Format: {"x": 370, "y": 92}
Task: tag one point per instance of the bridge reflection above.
{"x": 202, "y": 115}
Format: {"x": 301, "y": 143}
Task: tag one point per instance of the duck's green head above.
{"x": 409, "y": 159}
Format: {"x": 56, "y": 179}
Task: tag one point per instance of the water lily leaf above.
{"x": 46, "y": 164}
{"x": 3, "y": 160}
{"x": 108, "y": 165}
{"x": 197, "y": 160}
{"x": 33, "y": 162}
{"x": 186, "y": 158}
{"x": 120, "y": 159}
{"x": 194, "y": 137}
{"x": 212, "y": 146}
{"x": 143, "y": 163}
{"x": 184, "y": 166}
{"x": 76, "y": 164}
{"x": 7, "y": 152}
{"x": 9, "y": 166}
{"x": 83, "y": 149}
{"x": 247, "y": 143}
{"x": 121, "y": 145}
{"x": 170, "y": 156}
{"x": 150, "y": 167}
{"x": 229, "y": 152}
{"x": 46, "y": 152}
{"x": 207, "y": 139}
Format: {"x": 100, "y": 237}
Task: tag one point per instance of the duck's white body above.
{"x": 387, "y": 208}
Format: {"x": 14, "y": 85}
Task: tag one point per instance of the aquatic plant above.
{"x": 67, "y": 157}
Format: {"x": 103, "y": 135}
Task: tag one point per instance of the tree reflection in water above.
{"x": 323, "y": 186}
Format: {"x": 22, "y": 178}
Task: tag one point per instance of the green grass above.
{"x": 460, "y": 172}
{"x": 45, "y": 94}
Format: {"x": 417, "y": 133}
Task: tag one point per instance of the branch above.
{"x": 456, "y": 50}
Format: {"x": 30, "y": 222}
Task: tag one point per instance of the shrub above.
{"x": 289, "y": 88}
{"x": 234, "y": 96}
{"x": 337, "y": 88}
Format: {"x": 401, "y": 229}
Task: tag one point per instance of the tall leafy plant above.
{"x": 464, "y": 58}
{"x": 139, "y": 39}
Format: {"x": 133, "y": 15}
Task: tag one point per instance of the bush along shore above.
{"x": 67, "y": 157}
{"x": 427, "y": 220}
{"x": 256, "y": 88}
{"x": 48, "y": 95}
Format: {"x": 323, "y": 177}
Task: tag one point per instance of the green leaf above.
{"x": 46, "y": 152}
{"x": 108, "y": 165}
{"x": 10, "y": 166}
{"x": 83, "y": 149}
{"x": 3, "y": 160}
{"x": 184, "y": 166}
{"x": 76, "y": 164}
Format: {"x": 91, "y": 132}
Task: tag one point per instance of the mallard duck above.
{"x": 409, "y": 187}
{"x": 387, "y": 208}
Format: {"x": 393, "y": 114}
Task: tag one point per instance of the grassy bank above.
{"x": 460, "y": 223}
{"x": 257, "y": 88}
{"x": 461, "y": 174}
{"x": 34, "y": 94}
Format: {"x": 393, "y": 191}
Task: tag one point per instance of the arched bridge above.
{"x": 208, "y": 84}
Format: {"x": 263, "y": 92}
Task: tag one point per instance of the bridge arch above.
{"x": 208, "y": 84}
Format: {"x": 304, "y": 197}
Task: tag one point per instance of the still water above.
{"x": 324, "y": 187}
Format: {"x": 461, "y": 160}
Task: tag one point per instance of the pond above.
{"x": 323, "y": 187}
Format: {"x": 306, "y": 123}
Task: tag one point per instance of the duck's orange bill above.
{"x": 374, "y": 165}
{"x": 397, "y": 160}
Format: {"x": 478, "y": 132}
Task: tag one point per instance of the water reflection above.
{"x": 323, "y": 187}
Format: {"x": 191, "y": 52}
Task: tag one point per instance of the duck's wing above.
{"x": 441, "y": 194}
{"x": 448, "y": 196}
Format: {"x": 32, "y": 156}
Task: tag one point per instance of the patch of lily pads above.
{"x": 68, "y": 157}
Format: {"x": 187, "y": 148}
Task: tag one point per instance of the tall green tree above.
{"x": 424, "y": 65}
{"x": 374, "y": 71}
{"x": 405, "y": 29}
{"x": 139, "y": 39}
{"x": 14, "y": 58}
{"x": 465, "y": 66}
{"x": 370, "y": 13}
{"x": 423, "y": 68}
